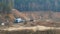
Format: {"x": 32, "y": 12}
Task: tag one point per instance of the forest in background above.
{"x": 33, "y": 5}
{"x": 37, "y": 5}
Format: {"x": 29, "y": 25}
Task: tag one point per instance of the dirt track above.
{"x": 35, "y": 28}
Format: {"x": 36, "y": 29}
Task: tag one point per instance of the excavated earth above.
{"x": 45, "y": 26}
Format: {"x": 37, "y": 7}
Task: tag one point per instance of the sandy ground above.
{"x": 34, "y": 28}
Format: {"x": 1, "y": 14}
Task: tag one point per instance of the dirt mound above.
{"x": 30, "y": 15}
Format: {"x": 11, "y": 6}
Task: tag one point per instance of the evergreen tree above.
{"x": 6, "y": 6}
